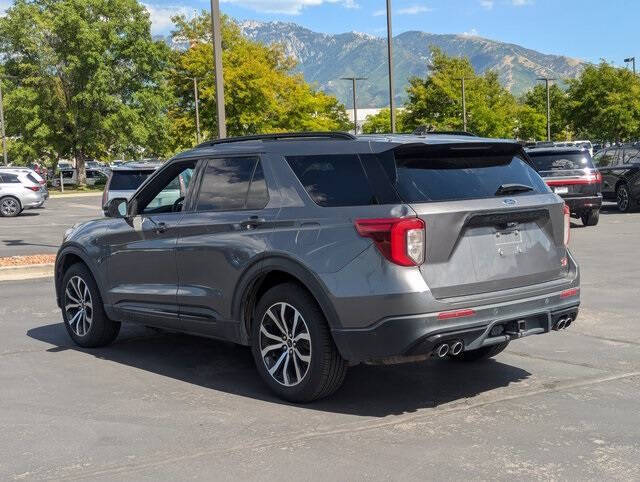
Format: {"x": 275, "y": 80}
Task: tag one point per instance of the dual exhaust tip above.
{"x": 563, "y": 323}
{"x": 454, "y": 348}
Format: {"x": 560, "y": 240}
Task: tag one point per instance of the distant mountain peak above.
{"x": 324, "y": 58}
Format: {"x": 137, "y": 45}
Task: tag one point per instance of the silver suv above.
{"x": 19, "y": 190}
{"x": 321, "y": 251}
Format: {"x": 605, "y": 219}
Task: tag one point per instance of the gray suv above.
{"x": 324, "y": 250}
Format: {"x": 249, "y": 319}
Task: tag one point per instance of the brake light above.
{"x": 567, "y": 224}
{"x": 33, "y": 188}
{"x": 593, "y": 177}
{"x": 400, "y": 240}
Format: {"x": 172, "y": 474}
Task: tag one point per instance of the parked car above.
{"x": 70, "y": 177}
{"x": 571, "y": 174}
{"x": 126, "y": 179}
{"x": 322, "y": 251}
{"x": 620, "y": 168}
{"x": 19, "y": 190}
{"x": 35, "y": 176}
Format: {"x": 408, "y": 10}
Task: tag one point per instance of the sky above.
{"x": 586, "y": 29}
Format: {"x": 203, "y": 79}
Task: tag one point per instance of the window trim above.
{"x": 203, "y": 172}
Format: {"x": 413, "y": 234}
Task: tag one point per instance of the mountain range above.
{"x": 323, "y": 59}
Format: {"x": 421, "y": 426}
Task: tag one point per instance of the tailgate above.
{"x": 488, "y": 246}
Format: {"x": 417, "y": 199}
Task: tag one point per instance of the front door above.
{"x": 143, "y": 278}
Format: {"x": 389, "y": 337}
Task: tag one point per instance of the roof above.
{"x": 328, "y": 142}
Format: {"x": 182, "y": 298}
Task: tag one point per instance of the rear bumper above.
{"x": 578, "y": 205}
{"x": 421, "y": 334}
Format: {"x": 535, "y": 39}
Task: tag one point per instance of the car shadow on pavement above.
{"x": 369, "y": 390}
{"x": 12, "y": 243}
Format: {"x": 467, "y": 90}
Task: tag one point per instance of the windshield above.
{"x": 561, "y": 162}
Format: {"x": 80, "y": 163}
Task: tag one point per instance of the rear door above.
{"x": 491, "y": 222}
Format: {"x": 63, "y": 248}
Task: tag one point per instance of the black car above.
{"x": 570, "y": 172}
{"x": 620, "y": 169}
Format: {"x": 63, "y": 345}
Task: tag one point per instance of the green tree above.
{"x": 91, "y": 79}
{"x": 262, "y": 94}
{"x": 531, "y": 125}
{"x": 536, "y": 98}
{"x": 380, "y": 123}
{"x": 604, "y": 103}
{"x": 437, "y": 99}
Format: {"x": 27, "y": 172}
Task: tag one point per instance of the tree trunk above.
{"x": 81, "y": 169}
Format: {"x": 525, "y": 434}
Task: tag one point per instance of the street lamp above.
{"x": 633, "y": 60}
{"x": 197, "y": 100}
{"x": 217, "y": 66}
{"x": 546, "y": 80}
{"x": 392, "y": 104}
{"x": 3, "y": 130}
{"x": 464, "y": 104}
{"x": 355, "y": 108}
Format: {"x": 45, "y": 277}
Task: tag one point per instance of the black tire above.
{"x": 101, "y": 331}
{"x": 325, "y": 371}
{"x": 483, "y": 353}
{"x": 10, "y": 207}
{"x": 591, "y": 218}
{"x": 623, "y": 198}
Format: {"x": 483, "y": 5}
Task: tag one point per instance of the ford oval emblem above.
{"x": 509, "y": 202}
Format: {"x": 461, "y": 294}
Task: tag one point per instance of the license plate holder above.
{"x": 509, "y": 243}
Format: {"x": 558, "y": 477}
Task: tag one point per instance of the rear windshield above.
{"x": 561, "y": 162}
{"x": 423, "y": 179}
{"x": 32, "y": 178}
{"x": 128, "y": 180}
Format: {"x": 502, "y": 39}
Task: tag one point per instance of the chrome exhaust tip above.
{"x": 442, "y": 351}
{"x": 567, "y": 322}
{"x": 457, "y": 348}
{"x": 559, "y": 325}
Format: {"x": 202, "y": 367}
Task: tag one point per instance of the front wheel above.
{"x": 590, "y": 218}
{"x": 483, "y": 353}
{"x": 623, "y": 198}
{"x": 83, "y": 312}
{"x": 292, "y": 346}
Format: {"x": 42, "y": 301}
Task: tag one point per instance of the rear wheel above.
{"x": 623, "y": 198}
{"x": 590, "y": 218}
{"x": 83, "y": 312}
{"x": 292, "y": 346}
{"x": 10, "y": 207}
{"x": 483, "y": 353}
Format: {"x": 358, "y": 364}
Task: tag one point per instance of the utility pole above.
{"x": 4, "y": 139}
{"x": 355, "y": 108}
{"x": 464, "y": 104}
{"x": 633, "y": 60}
{"x": 392, "y": 104}
{"x": 195, "y": 95}
{"x": 546, "y": 80}
{"x": 217, "y": 64}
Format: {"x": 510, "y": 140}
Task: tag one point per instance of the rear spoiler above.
{"x": 472, "y": 153}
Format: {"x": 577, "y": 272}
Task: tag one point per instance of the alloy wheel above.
{"x": 622, "y": 198}
{"x": 285, "y": 344}
{"x": 78, "y": 306}
{"x": 9, "y": 207}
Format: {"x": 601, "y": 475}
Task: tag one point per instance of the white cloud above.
{"x": 379, "y": 13}
{"x": 521, "y": 3}
{"x": 412, "y": 10}
{"x": 488, "y": 4}
{"x": 160, "y": 16}
{"x": 288, "y": 7}
{"x": 4, "y": 5}
{"x": 471, "y": 33}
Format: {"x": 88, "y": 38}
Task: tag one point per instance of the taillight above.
{"x": 401, "y": 241}
{"x": 33, "y": 188}
{"x": 567, "y": 224}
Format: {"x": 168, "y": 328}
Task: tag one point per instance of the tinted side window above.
{"x": 333, "y": 180}
{"x": 226, "y": 184}
{"x": 605, "y": 158}
{"x": 630, "y": 154}
{"x": 10, "y": 179}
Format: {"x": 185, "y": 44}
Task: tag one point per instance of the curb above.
{"x": 30, "y": 271}
{"x": 75, "y": 194}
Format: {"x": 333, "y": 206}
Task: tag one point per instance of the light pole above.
{"x": 633, "y": 61}
{"x": 195, "y": 95}
{"x": 4, "y": 139}
{"x": 217, "y": 65}
{"x": 464, "y": 104}
{"x": 392, "y": 104}
{"x": 355, "y": 108}
{"x": 546, "y": 80}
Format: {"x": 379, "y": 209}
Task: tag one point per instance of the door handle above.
{"x": 160, "y": 228}
{"x": 251, "y": 223}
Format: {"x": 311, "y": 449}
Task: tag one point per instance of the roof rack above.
{"x": 428, "y": 130}
{"x": 283, "y": 135}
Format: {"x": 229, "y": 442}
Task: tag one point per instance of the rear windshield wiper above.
{"x": 512, "y": 189}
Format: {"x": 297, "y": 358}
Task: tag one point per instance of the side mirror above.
{"x": 116, "y": 208}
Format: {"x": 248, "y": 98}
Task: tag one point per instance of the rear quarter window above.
{"x": 333, "y": 180}
{"x": 129, "y": 180}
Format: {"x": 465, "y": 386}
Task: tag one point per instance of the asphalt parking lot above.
{"x": 39, "y": 231}
{"x": 164, "y": 407}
